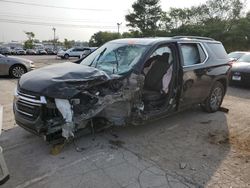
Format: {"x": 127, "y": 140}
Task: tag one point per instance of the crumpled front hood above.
{"x": 62, "y": 80}
{"x": 241, "y": 67}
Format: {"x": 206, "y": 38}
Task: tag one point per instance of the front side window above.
{"x": 115, "y": 58}
{"x": 192, "y": 54}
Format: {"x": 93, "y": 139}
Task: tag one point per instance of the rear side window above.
{"x": 192, "y": 54}
{"x": 218, "y": 50}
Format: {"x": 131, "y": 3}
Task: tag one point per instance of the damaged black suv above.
{"x": 124, "y": 82}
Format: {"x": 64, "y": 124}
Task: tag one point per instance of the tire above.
{"x": 17, "y": 71}
{"x": 66, "y": 56}
{"x": 215, "y": 98}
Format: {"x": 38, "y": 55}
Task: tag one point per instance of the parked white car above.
{"x": 74, "y": 52}
{"x": 20, "y": 51}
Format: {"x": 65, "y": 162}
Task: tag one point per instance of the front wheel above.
{"x": 17, "y": 71}
{"x": 215, "y": 98}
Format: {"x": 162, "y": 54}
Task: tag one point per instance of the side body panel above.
{"x": 199, "y": 79}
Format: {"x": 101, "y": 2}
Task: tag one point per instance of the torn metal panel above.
{"x": 65, "y": 108}
{"x": 126, "y": 98}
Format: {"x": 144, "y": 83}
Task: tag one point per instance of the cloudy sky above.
{"x": 73, "y": 19}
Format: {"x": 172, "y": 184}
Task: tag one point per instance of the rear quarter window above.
{"x": 218, "y": 49}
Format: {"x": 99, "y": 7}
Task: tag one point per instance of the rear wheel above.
{"x": 17, "y": 71}
{"x": 214, "y": 100}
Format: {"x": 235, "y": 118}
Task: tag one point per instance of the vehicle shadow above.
{"x": 190, "y": 145}
{"x": 6, "y": 77}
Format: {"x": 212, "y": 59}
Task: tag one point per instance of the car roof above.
{"x": 154, "y": 40}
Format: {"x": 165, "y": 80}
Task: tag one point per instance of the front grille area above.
{"x": 29, "y": 106}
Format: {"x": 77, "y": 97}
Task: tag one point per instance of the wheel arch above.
{"x": 17, "y": 64}
{"x": 224, "y": 82}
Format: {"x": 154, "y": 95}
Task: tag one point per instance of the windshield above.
{"x": 236, "y": 55}
{"x": 115, "y": 58}
{"x": 245, "y": 58}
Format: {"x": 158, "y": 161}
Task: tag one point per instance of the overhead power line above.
{"x": 56, "y": 24}
{"x": 53, "y": 6}
{"x": 40, "y": 18}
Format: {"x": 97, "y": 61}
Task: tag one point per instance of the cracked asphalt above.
{"x": 190, "y": 149}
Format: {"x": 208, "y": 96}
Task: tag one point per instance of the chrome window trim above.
{"x": 203, "y": 48}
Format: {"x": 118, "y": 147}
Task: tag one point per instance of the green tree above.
{"x": 145, "y": 17}
{"x": 28, "y": 44}
{"x": 67, "y": 44}
{"x": 220, "y": 19}
{"x": 101, "y": 37}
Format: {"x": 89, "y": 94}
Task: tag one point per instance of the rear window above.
{"x": 192, "y": 54}
{"x": 218, "y": 50}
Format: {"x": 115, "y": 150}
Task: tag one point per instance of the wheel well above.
{"x": 223, "y": 81}
{"x": 17, "y": 65}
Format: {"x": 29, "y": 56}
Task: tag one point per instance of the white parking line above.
{"x": 1, "y": 118}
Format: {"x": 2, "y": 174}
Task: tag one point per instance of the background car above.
{"x": 85, "y": 54}
{"x": 20, "y": 51}
{"x": 240, "y": 72}
{"x": 41, "y": 52}
{"x": 14, "y": 66}
{"x": 5, "y": 51}
{"x": 50, "y": 51}
{"x": 234, "y": 56}
{"x": 74, "y": 52}
{"x": 30, "y": 52}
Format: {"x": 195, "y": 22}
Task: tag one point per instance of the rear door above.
{"x": 74, "y": 52}
{"x": 196, "y": 82}
{"x": 79, "y": 52}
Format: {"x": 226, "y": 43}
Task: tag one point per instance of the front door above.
{"x": 4, "y": 67}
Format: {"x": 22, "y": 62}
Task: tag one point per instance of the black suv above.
{"x": 125, "y": 81}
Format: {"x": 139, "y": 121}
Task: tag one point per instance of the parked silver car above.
{"x": 20, "y": 51}
{"x": 14, "y": 66}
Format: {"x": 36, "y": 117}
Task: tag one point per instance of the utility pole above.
{"x": 54, "y": 30}
{"x": 118, "y": 25}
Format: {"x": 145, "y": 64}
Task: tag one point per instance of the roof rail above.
{"x": 192, "y": 37}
